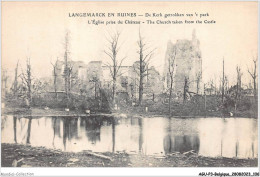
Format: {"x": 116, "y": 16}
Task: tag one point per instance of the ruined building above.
{"x": 88, "y": 78}
{"x": 152, "y": 82}
{"x": 77, "y": 75}
{"x": 187, "y": 66}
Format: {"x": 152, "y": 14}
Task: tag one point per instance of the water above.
{"x": 213, "y": 137}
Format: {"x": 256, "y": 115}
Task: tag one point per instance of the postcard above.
{"x": 141, "y": 85}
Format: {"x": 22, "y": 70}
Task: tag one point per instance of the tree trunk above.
{"x": 197, "y": 87}
{"x": 69, "y": 83}
{"x": 55, "y": 84}
{"x": 223, "y": 83}
{"x": 236, "y": 98}
{"x": 185, "y": 89}
{"x": 67, "y": 69}
{"x": 255, "y": 91}
{"x": 95, "y": 85}
{"x": 141, "y": 78}
{"x": 15, "y": 82}
{"x": 114, "y": 90}
{"x": 98, "y": 155}
{"x": 141, "y": 90}
{"x": 29, "y": 91}
{"x": 170, "y": 97}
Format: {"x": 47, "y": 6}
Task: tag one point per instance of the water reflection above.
{"x": 29, "y": 130}
{"x": 113, "y": 135}
{"x": 140, "y": 123}
{"x": 92, "y": 127}
{"x": 149, "y": 136}
{"x": 181, "y": 144}
{"x": 14, "y": 123}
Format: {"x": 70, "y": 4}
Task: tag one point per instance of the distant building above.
{"x": 89, "y": 78}
{"x": 188, "y": 64}
{"x": 123, "y": 75}
{"x": 78, "y": 75}
{"x": 153, "y": 84}
{"x": 94, "y": 75}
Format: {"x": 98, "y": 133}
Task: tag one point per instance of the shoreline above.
{"x": 38, "y": 112}
{"x": 27, "y": 156}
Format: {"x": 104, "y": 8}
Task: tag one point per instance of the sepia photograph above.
{"x": 129, "y": 84}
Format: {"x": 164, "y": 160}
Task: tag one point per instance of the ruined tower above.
{"x": 188, "y": 64}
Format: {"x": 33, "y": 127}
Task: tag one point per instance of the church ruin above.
{"x": 188, "y": 66}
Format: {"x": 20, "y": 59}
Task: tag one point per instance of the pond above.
{"x": 212, "y": 137}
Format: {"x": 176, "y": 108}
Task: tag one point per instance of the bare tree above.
{"x": 253, "y": 74}
{"x": 211, "y": 86}
{"x": 185, "y": 88}
{"x": 55, "y": 78}
{"x": 226, "y": 86}
{"x": 38, "y": 87}
{"x": 215, "y": 85}
{"x": 198, "y": 80}
{"x": 238, "y": 86}
{"x": 116, "y": 63}
{"x": 67, "y": 67}
{"x": 223, "y": 83}
{"x": 4, "y": 82}
{"x": 171, "y": 69}
{"x": 145, "y": 56}
{"x": 71, "y": 78}
{"x": 27, "y": 81}
{"x": 205, "y": 99}
{"x": 14, "y": 87}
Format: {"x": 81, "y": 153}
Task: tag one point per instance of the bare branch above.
{"x": 149, "y": 54}
{"x": 137, "y": 72}
{"x": 120, "y": 65}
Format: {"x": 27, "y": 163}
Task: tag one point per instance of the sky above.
{"x": 37, "y": 30}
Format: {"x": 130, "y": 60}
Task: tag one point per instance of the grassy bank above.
{"x": 197, "y": 106}
{"x": 130, "y": 112}
{"x": 40, "y": 112}
{"x": 28, "y": 156}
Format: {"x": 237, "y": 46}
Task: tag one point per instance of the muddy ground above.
{"x": 27, "y": 156}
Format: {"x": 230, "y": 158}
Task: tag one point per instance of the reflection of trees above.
{"x": 224, "y": 128}
{"x": 3, "y": 121}
{"x": 167, "y": 141}
{"x": 29, "y": 130}
{"x": 135, "y": 121}
{"x": 181, "y": 143}
{"x": 186, "y": 143}
{"x": 113, "y": 135}
{"x": 253, "y": 149}
{"x": 70, "y": 129}
{"x": 92, "y": 127}
{"x": 56, "y": 126}
{"x": 254, "y": 136}
{"x": 140, "y": 122}
{"x": 14, "y": 125}
{"x": 237, "y": 146}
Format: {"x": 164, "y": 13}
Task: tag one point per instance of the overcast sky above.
{"x": 37, "y": 30}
